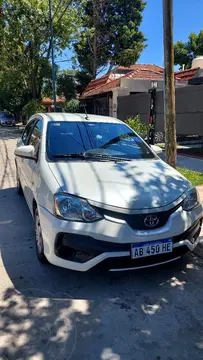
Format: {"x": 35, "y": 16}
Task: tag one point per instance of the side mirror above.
{"x": 156, "y": 149}
{"x": 26, "y": 152}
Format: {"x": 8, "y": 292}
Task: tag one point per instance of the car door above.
{"x": 20, "y": 162}
{"x": 32, "y": 166}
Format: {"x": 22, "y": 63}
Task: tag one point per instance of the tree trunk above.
{"x": 169, "y": 89}
{"x": 94, "y": 60}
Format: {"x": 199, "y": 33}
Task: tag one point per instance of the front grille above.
{"x": 137, "y": 221}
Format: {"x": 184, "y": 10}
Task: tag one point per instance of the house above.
{"x": 189, "y": 105}
{"x": 101, "y": 95}
{"x": 186, "y": 75}
{"x": 194, "y": 75}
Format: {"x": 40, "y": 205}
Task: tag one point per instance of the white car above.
{"x": 99, "y": 195}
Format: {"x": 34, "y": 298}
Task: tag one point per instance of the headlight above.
{"x": 74, "y": 208}
{"x": 191, "y": 199}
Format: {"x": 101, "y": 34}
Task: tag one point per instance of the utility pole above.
{"x": 52, "y": 54}
{"x": 169, "y": 86}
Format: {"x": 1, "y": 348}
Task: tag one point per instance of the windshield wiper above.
{"x": 90, "y": 156}
{"x": 106, "y": 157}
{"x": 71, "y": 156}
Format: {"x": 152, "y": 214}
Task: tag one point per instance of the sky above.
{"x": 188, "y": 17}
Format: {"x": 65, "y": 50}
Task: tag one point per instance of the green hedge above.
{"x": 138, "y": 126}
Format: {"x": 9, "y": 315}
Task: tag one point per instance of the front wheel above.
{"x": 39, "y": 239}
{"x": 19, "y": 187}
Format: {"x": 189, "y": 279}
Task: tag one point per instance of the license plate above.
{"x": 151, "y": 248}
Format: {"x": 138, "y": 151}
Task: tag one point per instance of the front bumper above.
{"x": 80, "y": 246}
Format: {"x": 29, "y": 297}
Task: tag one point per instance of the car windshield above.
{"x": 88, "y": 139}
{"x": 6, "y": 116}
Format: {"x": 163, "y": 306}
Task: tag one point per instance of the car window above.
{"x": 109, "y": 139}
{"x": 27, "y": 132}
{"x": 36, "y": 134}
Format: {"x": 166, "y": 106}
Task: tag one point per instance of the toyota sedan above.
{"x": 100, "y": 196}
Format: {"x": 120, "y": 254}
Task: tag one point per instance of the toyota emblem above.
{"x": 151, "y": 221}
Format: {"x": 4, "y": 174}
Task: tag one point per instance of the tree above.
{"x": 110, "y": 34}
{"x": 185, "y": 51}
{"x": 71, "y": 83}
{"x": 83, "y": 80}
{"x": 32, "y": 107}
{"x": 25, "y": 43}
{"x": 66, "y": 84}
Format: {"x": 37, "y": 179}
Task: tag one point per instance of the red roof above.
{"x": 99, "y": 82}
{"x": 152, "y": 67}
{"x": 138, "y": 71}
{"x": 112, "y": 80}
{"x": 112, "y": 77}
{"x": 186, "y": 74}
{"x": 144, "y": 74}
{"x": 59, "y": 100}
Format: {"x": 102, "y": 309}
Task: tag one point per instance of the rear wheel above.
{"x": 39, "y": 239}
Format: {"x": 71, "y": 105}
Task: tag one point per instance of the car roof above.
{"x": 77, "y": 117}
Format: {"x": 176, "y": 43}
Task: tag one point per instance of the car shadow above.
{"x": 53, "y": 313}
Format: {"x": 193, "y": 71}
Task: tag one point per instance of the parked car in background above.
{"x": 7, "y": 119}
{"x": 99, "y": 195}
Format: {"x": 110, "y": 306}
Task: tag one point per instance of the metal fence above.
{"x": 189, "y": 109}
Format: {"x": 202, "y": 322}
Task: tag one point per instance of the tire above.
{"x": 19, "y": 187}
{"x": 39, "y": 239}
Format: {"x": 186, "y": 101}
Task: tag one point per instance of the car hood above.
{"x": 138, "y": 184}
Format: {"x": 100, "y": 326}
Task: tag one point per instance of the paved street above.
{"x": 188, "y": 162}
{"x": 52, "y": 313}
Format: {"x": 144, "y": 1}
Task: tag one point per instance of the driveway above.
{"x": 52, "y": 313}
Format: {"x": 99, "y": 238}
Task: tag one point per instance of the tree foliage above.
{"x": 83, "y": 79}
{"x": 138, "y": 126}
{"x": 110, "y": 34}
{"x": 25, "y": 46}
{"x": 32, "y": 107}
{"x": 182, "y": 50}
{"x": 72, "y": 106}
{"x": 66, "y": 84}
{"x": 71, "y": 83}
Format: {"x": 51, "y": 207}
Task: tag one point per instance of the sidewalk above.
{"x": 200, "y": 190}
